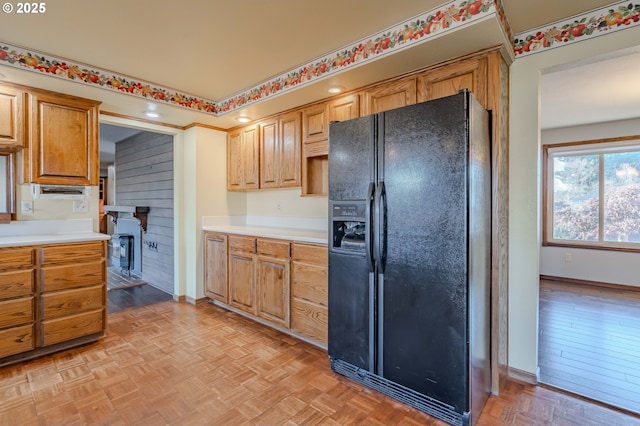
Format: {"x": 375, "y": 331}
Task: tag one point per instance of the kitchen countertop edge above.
{"x": 34, "y": 240}
{"x": 292, "y": 234}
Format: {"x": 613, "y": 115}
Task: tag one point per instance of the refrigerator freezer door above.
{"x": 350, "y": 305}
{"x": 351, "y": 278}
{"x": 351, "y": 153}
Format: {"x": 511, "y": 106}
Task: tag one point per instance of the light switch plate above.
{"x": 27, "y": 206}
{"x": 80, "y": 206}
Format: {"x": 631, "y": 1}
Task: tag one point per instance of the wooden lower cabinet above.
{"x": 52, "y": 297}
{"x": 278, "y": 282}
{"x": 273, "y": 270}
{"x": 310, "y": 290}
{"x": 242, "y": 281}
{"x": 16, "y": 340}
{"x": 17, "y": 300}
{"x": 215, "y": 277}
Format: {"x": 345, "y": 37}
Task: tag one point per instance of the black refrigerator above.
{"x": 409, "y": 254}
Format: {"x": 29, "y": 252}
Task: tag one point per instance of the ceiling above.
{"x": 215, "y": 49}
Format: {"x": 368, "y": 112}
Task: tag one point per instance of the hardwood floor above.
{"x": 138, "y": 295}
{"x": 590, "y": 342}
{"x": 128, "y": 290}
{"x": 118, "y": 279}
{"x": 179, "y": 364}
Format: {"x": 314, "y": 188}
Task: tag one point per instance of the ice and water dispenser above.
{"x": 349, "y": 227}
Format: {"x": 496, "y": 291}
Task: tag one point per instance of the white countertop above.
{"x": 294, "y": 229}
{"x": 31, "y": 240}
{"x": 35, "y": 232}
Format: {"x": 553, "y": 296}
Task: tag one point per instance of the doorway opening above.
{"x": 136, "y": 176}
{"x": 590, "y": 298}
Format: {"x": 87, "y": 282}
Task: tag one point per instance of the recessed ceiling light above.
{"x": 151, "y": 114}
{"x": 335, "y": 89}
{"x": 243, "y": 119}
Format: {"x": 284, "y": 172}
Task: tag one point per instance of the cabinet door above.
{"x": 450, "y": 79}
{"x": 269, "y": 155}
{"x": 215, "y": 272}
{"x": 234, "y": 161}
{"x": 315, "y": 123}
{"x": 390, "y": 96}
{"x": 344, "y": 108}
{"x": 250, "y": 157}
{"x": 63, "y": 146}
{"x": 242, "y": 281}
{"x": 273, "y": 289}
{"x": 12, "y": 116}
{"x": 289, "y": 147}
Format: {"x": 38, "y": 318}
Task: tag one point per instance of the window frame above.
{"x": 606, "y": 144}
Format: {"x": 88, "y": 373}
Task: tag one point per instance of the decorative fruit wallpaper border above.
{"x": 411, "y": 32}
{"x": 408, "y": 33}
{"x": 615, "y": 17}
{"x": 416, "y": 30}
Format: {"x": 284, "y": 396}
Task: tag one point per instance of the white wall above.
{"x": 286, "y": 203}
{"x": 208, "y": 196}
{"x": 524, "y": 186}
{"x": 53, "y": 209}
{"x": 591, "y": 265}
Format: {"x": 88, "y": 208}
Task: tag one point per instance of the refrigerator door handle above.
{"x": 369, "y": 219}
{"x": 380, "y": 213}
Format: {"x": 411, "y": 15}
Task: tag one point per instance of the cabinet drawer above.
{"x": 72, "y": 253}
{"x": 274, "y": 248}
{"x": 16, "y": 284}
{"x": 16, "y": 340}
{"x": 315, "y": 149}
{"x": 16, "y": 312}
{"x": 310, "y": 283}
{"x": 14, "y": 258}
{"x": 69, "y": 302}
{"x": 78, "y": 275}
{"x": 310, "y": 253}
{"x": 245, "y": 244}
{"x": 309, "y": 320}
{"x": 71, "y": 327}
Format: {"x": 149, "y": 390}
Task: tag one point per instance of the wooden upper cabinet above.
{"x": 234, "y": 161}
{"x": 344, "y": 108}
{"x": 250, "y": 154}
{"x": 450, "y": 79}
{"x": 389, "y": 96}
{"x": 243, "y": 149}
{"x": 12, "y": 116}
{"x": 316, "y": 119}
{"x": 63, "y": 140}
{"x": 315, "y": 123}
{"x": 269, "y": 154}
{"x": 280, "y": 151}
{"x": 289, "y": 148}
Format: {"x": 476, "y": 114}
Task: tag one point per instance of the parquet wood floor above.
{"x": 177, "y": 364}
{"x": 590, "y": 342}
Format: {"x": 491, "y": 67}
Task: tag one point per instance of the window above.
{"x": 592, "y": 194}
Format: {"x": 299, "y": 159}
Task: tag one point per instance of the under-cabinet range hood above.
{"x": 63, "y": 192}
